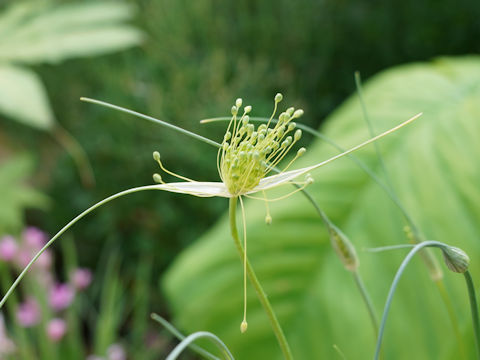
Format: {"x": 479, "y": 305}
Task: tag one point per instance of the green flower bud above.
{"x": 157, "y": 178}
{"x": 238, "y": 103}
{"x": 156, "y": 156}
{"x": 344, "y": 249}
{"x": 248, "y": 108}
{"x": 298, "y": 113}
{"x": 456, "y": 259}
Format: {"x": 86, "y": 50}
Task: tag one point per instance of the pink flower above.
{"x": 34, "y": 238}
{"x": 24, "y": 256}
{"x": 116, "y": 352}
{"x": 28, "y": 313}
{"x": 56, "y": 329}
{"x": 81, "y": 278}
{"x": 61, "y": 296}
{"x": 8, "y": 248}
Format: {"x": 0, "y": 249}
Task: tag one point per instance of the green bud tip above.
{"x": 156, "y": 156}
{"x": 456, "y": 259}
{"x": 238, "y": 103}
{"x": 278, "y": 97}
{"x": 268, "y": 219}
{"x": 248, "y": 108}
{"x": 157, "y": 178}
{"x": 243, "y": 326}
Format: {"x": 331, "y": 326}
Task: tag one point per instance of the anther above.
{"x": 157, "y": 178}
{"x": 298, "y": 113}
{"x": 298, "y": 134}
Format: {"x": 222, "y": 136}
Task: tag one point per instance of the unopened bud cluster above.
{"x": 456, "y": 259}
{"x": 248, "y": 154}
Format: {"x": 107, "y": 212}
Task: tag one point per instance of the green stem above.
{"x": 78, "y": 155}
{"x": 65, "y": 228}
{"x": 367, "y": 300}
{"x": 257, "y": 286}
{"x": 474, "y": 310}
{"x": 199, "y": 335}
{"x": 181, "y": 337}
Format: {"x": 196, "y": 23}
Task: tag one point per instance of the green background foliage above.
{"x": 433, "y": 169}
{"x": 195, "y": 59}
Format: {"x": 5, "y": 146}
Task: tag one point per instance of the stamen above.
{"x": 244, "y": 324}
{"x": 268, "y": 217}
{"x": 156, "y": 157}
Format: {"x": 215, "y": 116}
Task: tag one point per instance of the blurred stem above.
{"x": 474, "y": 310}
{"x": 77, "y": 153}
{"x": 277, "y": 329}
{"x": 198, "y": 335}
{"x": 451, "y": 314}
{"x": 181, "y": 337}
{"x": 367, "y": 300}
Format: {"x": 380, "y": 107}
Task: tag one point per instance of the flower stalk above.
{"x": 262, "y": 296}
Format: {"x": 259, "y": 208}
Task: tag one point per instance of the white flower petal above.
{"x": 197, "y": 188}
{"x": 282, "y": 178}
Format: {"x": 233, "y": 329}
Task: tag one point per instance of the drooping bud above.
{"x": 456, "y": 259}
{"x": 343, "y": 248}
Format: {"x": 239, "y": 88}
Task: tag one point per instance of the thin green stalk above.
{"x": 367, "y": 300}
{"x": 77, "y": 153}
{"x": 198, "y": 335}
{"x": 65, "y": 228}
{"x": 474, "y": 310}
{"x": 396, "y": 280}
{"x": 277, "y": 329}
{"x": 180, "y": 336}
{"x": 152, "y": 119}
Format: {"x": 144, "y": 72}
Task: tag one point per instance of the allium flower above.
{"x": 56, "y": 329}
{"x": 61, "y": 296}
{"x": 81, "y": 278}
{"x": 28, "y": 313}
{"x": 8, "y": 248}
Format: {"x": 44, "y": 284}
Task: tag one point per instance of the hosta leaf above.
{"x": 23, "y": 97}
{"x": 433, "y": 165}
{"x": 55, "y": 33}
{"x": 15, "y": 194}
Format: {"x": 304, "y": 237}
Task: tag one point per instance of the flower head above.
{"x": 28, "y": 313}
{"x": 56, "y": 329}
{"x": 8, "y": 248}
{"x": 61, "y": 296}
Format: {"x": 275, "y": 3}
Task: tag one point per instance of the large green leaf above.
{"x": 23, "y": 97}
{"x": 32, "y": 32}
{"x": 434, "y": 167}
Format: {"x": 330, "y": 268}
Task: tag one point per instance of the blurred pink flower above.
{"x": 7, "y": 346}
{"x": 34, "y": 238}
{"x": 28, "y": 313}
{"x": 116, "y": 352}
{"x": 8, "y": 248}
{"x": 24, "y": 256}
{"x": 56, "y": 329}
{"x": 81, "y": 278}
{"x": 61, "y": 296}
